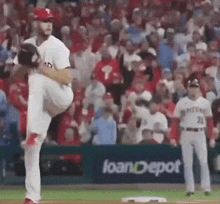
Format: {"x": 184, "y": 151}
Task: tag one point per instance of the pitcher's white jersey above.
{"x": 192, "y": 114}
{"x": 53, "y": 52}
{"x": 47, "y": 98}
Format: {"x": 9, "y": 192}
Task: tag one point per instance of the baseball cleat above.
{"x": 207, "y": 193}
{"x": 189, "y": 194}
{"x": 28, "y": 201}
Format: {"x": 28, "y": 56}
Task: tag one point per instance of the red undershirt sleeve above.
{"x": 209, "y": 122}
{"x": 175, "y": 129}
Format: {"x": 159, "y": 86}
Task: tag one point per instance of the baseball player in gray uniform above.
{"x": 193, "y": 119}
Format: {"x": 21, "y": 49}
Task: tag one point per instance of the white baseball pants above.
{"x": 46, "y": 99}
{"x": 197, "y": 140}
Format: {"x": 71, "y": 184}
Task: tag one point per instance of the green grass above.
{"x": 108, "y": 194}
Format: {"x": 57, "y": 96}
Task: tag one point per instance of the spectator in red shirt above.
{"x": 78, "y": 41}
{"x": 126, "y": 113}
{"x": 85, "y": 17}
{"x": 66, "y": 121}
{"x": 129, "y": 133}
{"x": 79, "y": 95}
{"x": 197, "y": 64}
{"x": 147, "y": 137}
{"x": 167, "y": 107}
{"x": 18, "y": 96}
{"x": 71, "y": 138}
{"x": 106, "y": 68}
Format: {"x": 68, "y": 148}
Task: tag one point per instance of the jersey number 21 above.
{"x": 200, "y": 120}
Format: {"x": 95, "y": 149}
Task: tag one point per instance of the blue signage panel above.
{"x": 145, "y": 167}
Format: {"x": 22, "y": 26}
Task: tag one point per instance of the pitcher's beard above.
{"x": 43, "y": 35}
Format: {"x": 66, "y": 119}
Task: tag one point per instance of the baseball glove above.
{"x": 28, "y": 55}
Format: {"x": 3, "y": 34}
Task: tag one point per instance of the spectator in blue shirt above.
{"x": 168, "y": 50}
{"x": 104, "y": 129}
{"x": 108, "y": 101}
{"x": 136, "y": 33}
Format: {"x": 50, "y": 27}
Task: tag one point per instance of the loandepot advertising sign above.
{"x": 141, "y": 167}
{"x": 138, "y": 168}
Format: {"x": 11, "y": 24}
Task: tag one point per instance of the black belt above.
{"x": 193, "y": 129}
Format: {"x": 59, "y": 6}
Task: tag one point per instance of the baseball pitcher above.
{"x": 193, "y": 118}
{"x": 46, "y": 60}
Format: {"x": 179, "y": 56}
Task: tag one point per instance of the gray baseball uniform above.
{"x": 192, "y": 115}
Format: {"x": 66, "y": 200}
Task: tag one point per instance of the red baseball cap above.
{"x": 43, "y": 14}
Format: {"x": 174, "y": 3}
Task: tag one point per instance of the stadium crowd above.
{"x": 130, "y": 58}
